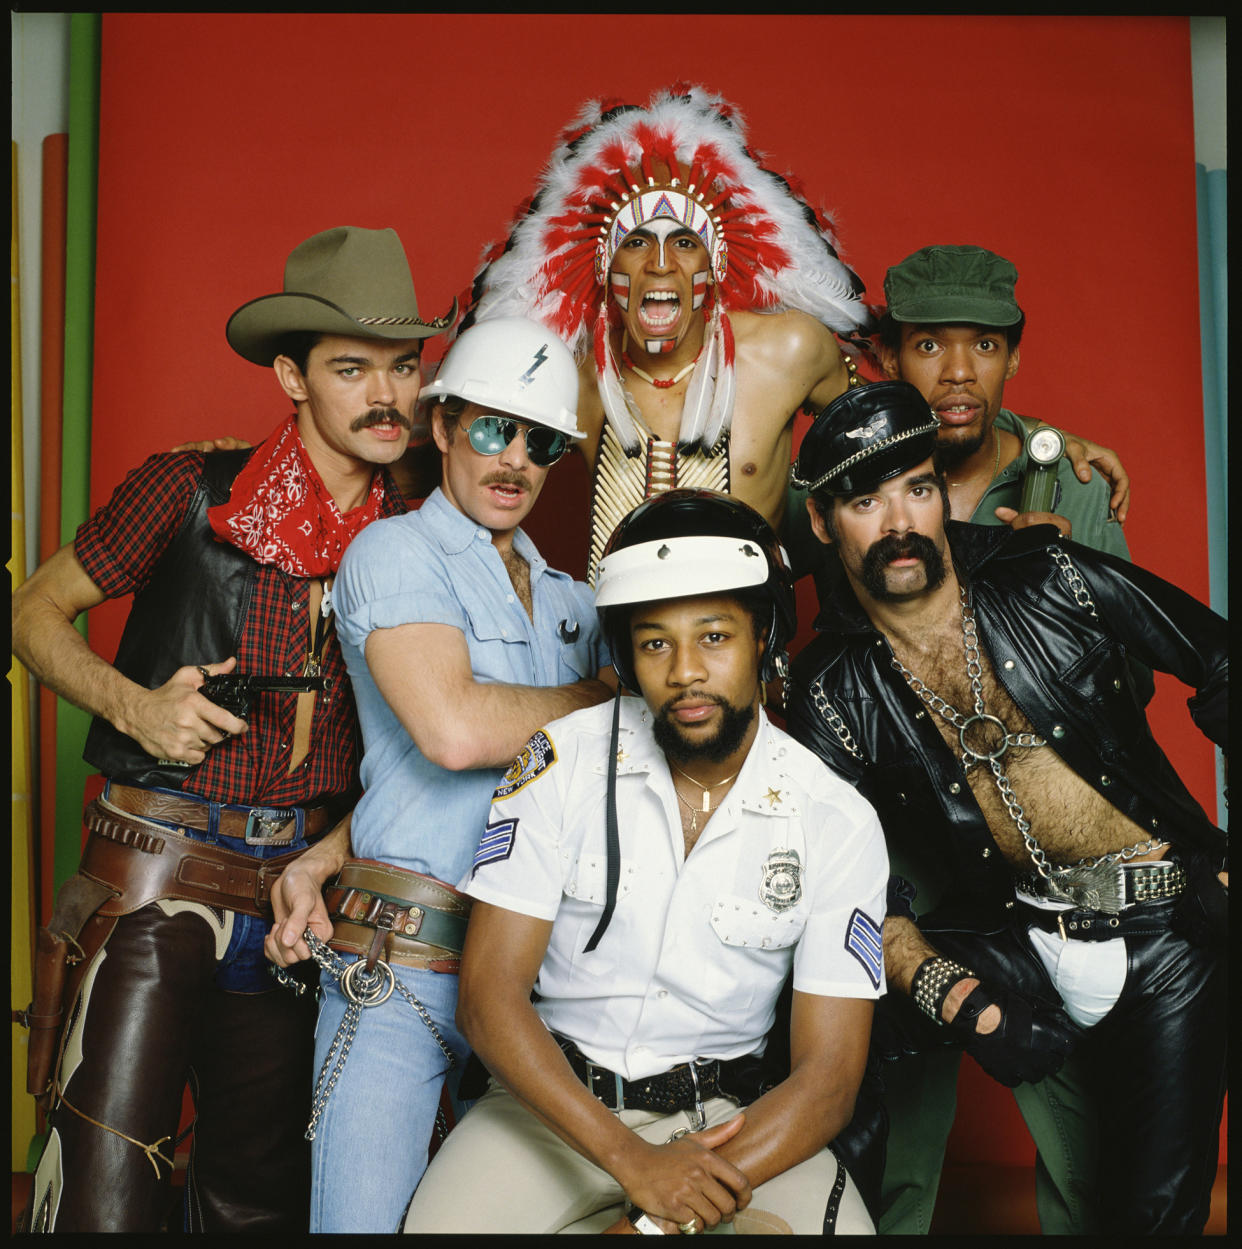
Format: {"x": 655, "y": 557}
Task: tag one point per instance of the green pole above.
{"x": 72, "y": 723}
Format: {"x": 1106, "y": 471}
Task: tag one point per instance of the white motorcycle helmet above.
{"x": 515, "y": 366}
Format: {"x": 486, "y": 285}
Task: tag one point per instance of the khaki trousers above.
{"x": 502, "y": 1171}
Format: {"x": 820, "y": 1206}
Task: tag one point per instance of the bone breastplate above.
{"x": 622, "y": 481}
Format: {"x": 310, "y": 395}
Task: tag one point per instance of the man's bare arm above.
{"x": 173, "y": 721}
{"x": 424, "y": 672}
{"x": 905, "y": 948}
{"x": 832, "y": 377}
{"x": 678, "y": 1181}
{"x": 802, "y": 1114}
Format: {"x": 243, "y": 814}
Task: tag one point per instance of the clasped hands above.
{"x": 684, "y": 1182}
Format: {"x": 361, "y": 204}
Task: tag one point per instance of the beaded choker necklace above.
{"x": 660, "y": 383}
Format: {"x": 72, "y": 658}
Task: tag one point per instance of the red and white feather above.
{"x": 781, "y": 254}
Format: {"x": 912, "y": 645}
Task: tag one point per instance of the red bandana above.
{"x": 280, "y": 513}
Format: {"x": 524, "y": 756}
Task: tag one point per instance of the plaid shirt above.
{"x": 120, "y": 546}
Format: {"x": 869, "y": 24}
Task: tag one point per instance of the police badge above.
{"x": 781, "y": 886}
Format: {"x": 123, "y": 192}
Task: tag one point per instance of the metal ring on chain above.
{"x": 368, "y": 988}
{"x": 982, "y": 719}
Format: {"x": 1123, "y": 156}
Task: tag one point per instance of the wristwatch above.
{"x": 643, "y": 1223}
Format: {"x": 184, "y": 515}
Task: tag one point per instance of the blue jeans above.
{"x": 370, "y": 1148}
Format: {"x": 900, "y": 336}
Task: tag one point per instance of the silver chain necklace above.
{"x": 992, "y": 757}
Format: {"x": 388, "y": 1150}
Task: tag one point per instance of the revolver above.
{"x": 235, "y": 691}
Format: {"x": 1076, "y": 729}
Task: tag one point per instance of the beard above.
{"x": 734, "y": 725}
{"x": 950, "y": 452}
{"x": 913, "y": 545}
{"x": 379, "y": 416}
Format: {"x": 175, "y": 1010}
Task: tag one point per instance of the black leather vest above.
{"x": 191, "y": 611}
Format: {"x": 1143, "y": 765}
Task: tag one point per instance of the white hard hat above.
{"x": 515, "y": 366}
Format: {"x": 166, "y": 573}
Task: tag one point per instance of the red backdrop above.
{"x": 1066, "y": 144}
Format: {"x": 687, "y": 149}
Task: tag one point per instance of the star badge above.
{"x": 773, "y": 796}
{"x": 621, "y": 755}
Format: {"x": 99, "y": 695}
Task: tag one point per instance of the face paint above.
{"x": 620, "y": 284}
{"x": 662, "y": 229}
{"x": 650, "y": 210}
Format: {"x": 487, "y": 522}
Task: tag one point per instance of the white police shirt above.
{"x": 791, "y": 870}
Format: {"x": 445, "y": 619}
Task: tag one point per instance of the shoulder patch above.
{"x": 863, "y": 940}
{"x": 537, "y": 756}
{"x": 496, "y": 844}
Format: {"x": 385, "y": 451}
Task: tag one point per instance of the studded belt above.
{"x": 1110, "y": 887}
{"x": 1108, "y": 906}
{"x": 684, "y": 1087}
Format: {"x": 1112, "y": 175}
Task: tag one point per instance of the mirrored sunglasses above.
{"x": 490, "y": 435}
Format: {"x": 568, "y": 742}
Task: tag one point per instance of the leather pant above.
{"x": 1155, "y": 1064}
{"x": 150, "y": 1017}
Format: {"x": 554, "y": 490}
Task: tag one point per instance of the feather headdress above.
{"x": 682, "y": 155}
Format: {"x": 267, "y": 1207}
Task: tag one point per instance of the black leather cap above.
{"x": 869, "y": 434}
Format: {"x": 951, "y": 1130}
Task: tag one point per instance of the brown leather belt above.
{"x": 256, "y": 826}
{"x": 142, "y": 866}
{"x": 404, "y": 917}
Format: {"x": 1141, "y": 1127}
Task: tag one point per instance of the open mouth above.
{"x": 387, "y": 433}
{"x": 959, "y": 412}
{"x": 658, "y": 312}
{"x": 506, "y": 493}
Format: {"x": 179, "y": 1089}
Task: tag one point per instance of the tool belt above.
{"x": 684, "y": 1087}
{"x": 256, "y": 826}
{"x": 383, "y": 912}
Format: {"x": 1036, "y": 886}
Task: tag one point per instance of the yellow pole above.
{"x": 22, "y": 826}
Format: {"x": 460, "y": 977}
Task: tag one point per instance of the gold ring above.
{"x": 689, "y": 1229}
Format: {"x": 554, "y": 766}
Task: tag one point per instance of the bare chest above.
{"x": 1015, "y": 777}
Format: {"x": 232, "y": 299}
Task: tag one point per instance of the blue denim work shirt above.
{"x": 437, "y": 566}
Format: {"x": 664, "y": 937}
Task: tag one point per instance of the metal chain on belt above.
{"x": 971, "y": 756}
{"x": 360, "y": 988}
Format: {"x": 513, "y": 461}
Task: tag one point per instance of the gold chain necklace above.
{"x": 707, "y": 789}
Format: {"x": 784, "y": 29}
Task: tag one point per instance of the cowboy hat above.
{"x": 346, "y": 281}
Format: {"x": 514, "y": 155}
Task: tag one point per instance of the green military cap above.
{"x": 950, "y": 282}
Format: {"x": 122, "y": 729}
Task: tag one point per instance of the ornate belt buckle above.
{"x": 1098, "y": 888}
{"x": 267, "y": 826}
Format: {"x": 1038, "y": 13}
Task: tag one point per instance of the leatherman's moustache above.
{"x": 380, "y": 416}
{"x": 912, "y": 546}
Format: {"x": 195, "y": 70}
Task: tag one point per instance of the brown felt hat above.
{"x": 347, "y": 281}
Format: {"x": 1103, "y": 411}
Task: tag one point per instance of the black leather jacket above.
{"x": 1064, "y": 666}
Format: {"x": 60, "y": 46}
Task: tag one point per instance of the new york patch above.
{"x": 537, "y": 756}
{"x": 496, "y": 843}
{"x": 863, "y": 940}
